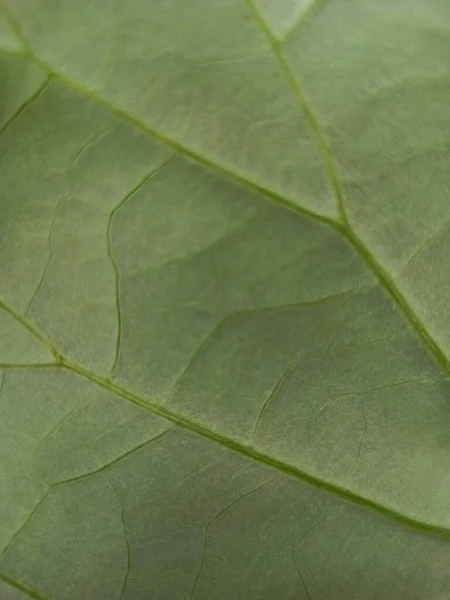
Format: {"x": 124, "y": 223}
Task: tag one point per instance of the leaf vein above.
{"x": 211, "y": 521}
{"x": 25, "y": 523}
{"x": 250, "y": 452}
{"x": 384, "y": 278}
{"x": 115, "y": 460}
{"x": 22, "y": 588}
{"x": 305, "y": 107}
{"x": 120, "y": 205}
{"x": 25, "y": 105}
{"x": 126, "y": 538}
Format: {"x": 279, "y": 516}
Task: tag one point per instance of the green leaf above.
{"x": 224, "y": 292}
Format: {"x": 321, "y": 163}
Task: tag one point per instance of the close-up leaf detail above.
{"x": 224, "y": 300}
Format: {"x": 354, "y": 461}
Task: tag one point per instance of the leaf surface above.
{"x": 224, "y": 300}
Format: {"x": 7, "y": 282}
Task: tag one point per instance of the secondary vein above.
{"x": 254, "y": 454}
{"x": 22, "y": 588}
{"x": 304, "y": 105}
{"x": 384, "y": 278}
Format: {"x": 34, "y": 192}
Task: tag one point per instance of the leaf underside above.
{"x": 224, "y": 300}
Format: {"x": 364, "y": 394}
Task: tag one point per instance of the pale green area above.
{"x": 8, "y": 38}
{"x": 199, "y": 72}
{"x": 8, "y": 592}
{"x": 224, "y": 292}
{"x": 283, "y": 16}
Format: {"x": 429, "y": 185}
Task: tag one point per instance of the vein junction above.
{"x": 340, "y": 224}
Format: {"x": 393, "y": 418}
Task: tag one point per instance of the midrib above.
{"x": 341, "y": 225}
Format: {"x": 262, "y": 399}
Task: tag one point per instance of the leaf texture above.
{"x": 224, "y": 300}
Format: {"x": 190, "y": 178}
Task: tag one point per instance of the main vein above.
{"x": 253, "y": 453}
{"x": 305, "y": 107}
{"x": 247, "y": 450}
{"x": 341, "y": 225}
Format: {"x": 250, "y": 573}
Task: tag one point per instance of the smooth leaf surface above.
{"x": 224, "y": 292}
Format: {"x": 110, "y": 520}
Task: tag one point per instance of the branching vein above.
{"x": 39, "y": 335}
{"x": 126, "y": 538}
{"x": 121, "y": 204}
{"x": 115, "y": 460}
{"x": 304, "y": 105}
{"x": 208, "y": 525}
{"x": 260, "y": 457}
{"x": 270, "y": 397}
{"x": 385, "y": 280}
{"x": 25, "y": 105}
{"x": 25, "y": 523}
